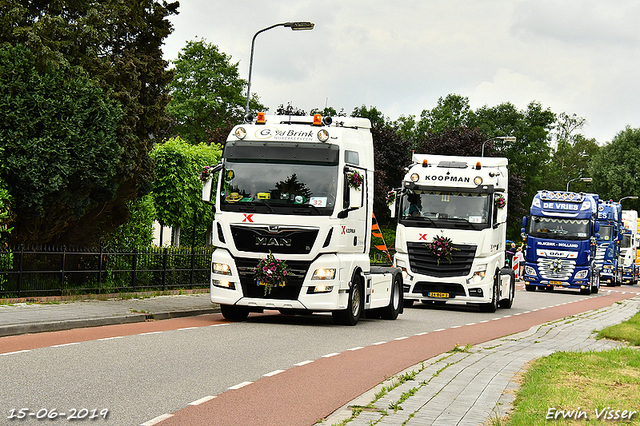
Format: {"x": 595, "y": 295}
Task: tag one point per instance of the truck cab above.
{"x": 608, "y": 244}
{"x": 561, "y": 234}
{"x": 450, "y": 240}
{"x": 298, "y": 192}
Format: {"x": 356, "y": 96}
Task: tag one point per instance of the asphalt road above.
{"x": 141, "y": 371}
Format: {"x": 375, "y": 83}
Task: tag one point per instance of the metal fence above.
{"x": 43, "y": 271}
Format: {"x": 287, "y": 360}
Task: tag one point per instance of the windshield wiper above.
{"x": 308, "y": 205}
{"x": 259, "y": 202}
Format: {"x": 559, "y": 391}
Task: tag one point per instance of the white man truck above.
{"x": 298, "y": 191}
{"x": 451, "y": 234}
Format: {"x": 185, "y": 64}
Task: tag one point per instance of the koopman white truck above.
{"x": 292, "y": 229}
{"x": 451, "y": 235}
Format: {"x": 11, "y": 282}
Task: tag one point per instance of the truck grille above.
{"x": 600, "y": 252}
{"x": 422, "y": 262}
{"x": 291, "y": 291}
{"x": 265, "y": 239}
{"x": 556, "y": 269}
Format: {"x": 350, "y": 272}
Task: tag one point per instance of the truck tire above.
{"x": 595, "y": 283}
{"x": 508, "y": 302}
{"x": 234, "y": 313}
{"x": 493, "y": 305}
{"x": 351, "y": 314}
{"x": 391, "y": 312}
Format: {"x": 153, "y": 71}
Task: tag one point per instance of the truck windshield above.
{"x": 559, "y": 229}
{"x": 606, "y": 231}
{"x": 446, "y": 210}
{"x": 280, "y": 177}
{"x": 626, "y": 241}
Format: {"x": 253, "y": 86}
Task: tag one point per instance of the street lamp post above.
{"x": 583, "y": 179}
{"x": 629, "y": 197}
{"x": 295, "y": 26}
{"x": 504, "y": 138}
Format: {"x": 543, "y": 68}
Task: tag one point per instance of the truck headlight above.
{"x": 324, "y": 274}
{"x": 221, "y": 268}
{"x": 478, "y": 276}
{"x": 528, "y": 270}
{"x": 224, "y": 284}
{"x": 580, "y": 275}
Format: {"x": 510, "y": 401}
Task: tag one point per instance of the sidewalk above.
{"x": 473, "y": 387}
{"x": 25, "y": 318}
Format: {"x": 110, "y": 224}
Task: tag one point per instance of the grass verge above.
{"x": 588, "y": 388}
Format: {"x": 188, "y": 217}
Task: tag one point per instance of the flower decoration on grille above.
{"x": 441, "y": 248}
{"x": 206, "y": 173}
{"x": 271, "y": 272}
{"x": 501, "y": 202}
{"x": 391, "y": 197}
{"x": 355, "y": 179}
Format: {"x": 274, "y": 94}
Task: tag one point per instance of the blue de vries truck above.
{"x": 561, "y": 233}
{"x": 608, "y": 249}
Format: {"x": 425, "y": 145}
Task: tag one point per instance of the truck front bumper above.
{"x": 313, "y": 295}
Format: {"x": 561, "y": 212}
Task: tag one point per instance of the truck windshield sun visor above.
{"x": 282, "y": 152}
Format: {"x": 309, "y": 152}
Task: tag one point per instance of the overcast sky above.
{"x": 573, "y": 56}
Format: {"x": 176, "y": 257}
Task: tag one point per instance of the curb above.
{"x": 12, "y": 330}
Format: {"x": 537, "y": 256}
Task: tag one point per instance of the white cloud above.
{"x": 575, "y": 56}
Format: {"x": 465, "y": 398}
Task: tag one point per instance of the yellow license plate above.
{"x": 439, "y": 295}
{"x": 555, "y": 282}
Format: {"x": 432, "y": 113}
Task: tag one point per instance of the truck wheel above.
{"x": 391, "y": 312}
{"x": 493, "y": 305}
{"x": 595, "y": 283}
{"x": 351, "y": 315}
{"x": 507, "y": 303}
{"x": 234, "y": 313}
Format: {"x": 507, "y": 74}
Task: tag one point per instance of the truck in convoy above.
{"x": 628, "y": 247}
{"x": 451, "y": 231}
{"x": 561, "y": 233}
{"x": 292, "y": 228}
{"x": 608, "y": 244}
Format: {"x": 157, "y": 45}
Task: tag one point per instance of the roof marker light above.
{"x": 478, "y": 166}
{"x": 425, "y": 163}
{"x": 317, "y": 120}
{"x": 262, "y": 119}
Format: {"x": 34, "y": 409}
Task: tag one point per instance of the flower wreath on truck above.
{"x": 441, "y": 247}
{"x": 271, "y": 272}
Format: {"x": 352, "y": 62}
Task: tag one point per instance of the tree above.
{"x": 178, "y": 189}
{"x": 206, "y": 92}
{"x": 118, "y": 44}
{"x": 58, "y": 134}
{"x": 615, "y": 168}
{"x": 450, "y": 112}
{"x": 391, "y": 153}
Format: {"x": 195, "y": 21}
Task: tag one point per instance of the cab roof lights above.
{"x": 317, "y": 120}
{"x": 478, "y": 166}
{"x": 262, "y": 119}
{"x": 425, "y": 163}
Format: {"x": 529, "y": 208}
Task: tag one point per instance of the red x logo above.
{"x": 344, "y": 229}
{"x": 247, "y": 217}
{"x": 423, "y": 237}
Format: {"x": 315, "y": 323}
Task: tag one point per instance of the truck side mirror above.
{"x": 524, "y": 223}
{"x": 392, "y": 200}
{"x": 207, "y": 186}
